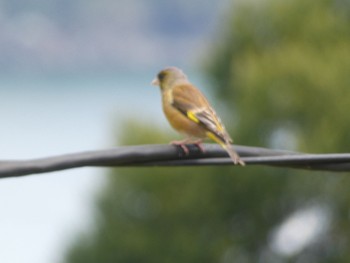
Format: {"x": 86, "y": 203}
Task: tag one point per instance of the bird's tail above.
{"x": 225, "y": 143}
{"x": 233, "y": 155}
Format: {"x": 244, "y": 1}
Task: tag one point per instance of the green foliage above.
{"x": 286, "y": 65}
{"x": 283, "y": 65}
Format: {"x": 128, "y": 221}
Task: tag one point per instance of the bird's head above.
{"x": 169, "y": 77}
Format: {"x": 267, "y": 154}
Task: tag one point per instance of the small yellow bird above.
{"x": 189, "y": 112}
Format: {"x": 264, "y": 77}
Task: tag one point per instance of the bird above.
{"x": 189, "y": 112}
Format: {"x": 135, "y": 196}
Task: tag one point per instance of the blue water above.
{"x": 42, "y": 116}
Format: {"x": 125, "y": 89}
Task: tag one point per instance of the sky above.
{"x": 75, "y": 36}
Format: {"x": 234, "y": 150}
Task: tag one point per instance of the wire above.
{"x": 168, "y": 155}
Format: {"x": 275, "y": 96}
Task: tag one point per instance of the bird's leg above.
{"x": 198, "y": 143}
{"x": 182, "y": 145}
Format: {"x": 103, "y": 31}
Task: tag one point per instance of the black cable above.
{"x": 168, "y": 155}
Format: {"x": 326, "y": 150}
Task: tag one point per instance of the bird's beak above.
{"x": 155, "y": 82}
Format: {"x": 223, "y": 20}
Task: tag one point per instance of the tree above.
{"x": 282, "y": 68}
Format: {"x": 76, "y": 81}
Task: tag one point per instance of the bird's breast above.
{"x": 179, "y": 121}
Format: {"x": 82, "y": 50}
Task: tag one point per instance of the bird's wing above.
{"x": 193, "y": 104}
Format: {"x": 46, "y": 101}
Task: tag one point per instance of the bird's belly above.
{"x": 182, "y": 124}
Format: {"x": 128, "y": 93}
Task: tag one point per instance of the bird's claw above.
{"x": 199, "y": 145}
{"x": 182, "y": 145}
{"x": 186, "y": 150}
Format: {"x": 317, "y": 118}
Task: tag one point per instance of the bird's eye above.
{"x": 161, "y": 76}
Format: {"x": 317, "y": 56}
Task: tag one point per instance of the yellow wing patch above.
{"x": 192, "y": 117}
{"x": 215, "y": 139}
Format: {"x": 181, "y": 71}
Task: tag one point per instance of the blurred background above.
{"x": 75, "y": 75}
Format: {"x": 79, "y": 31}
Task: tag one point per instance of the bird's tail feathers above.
{"x": 228, "y": 147}
{"x": 233, "y": 155}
